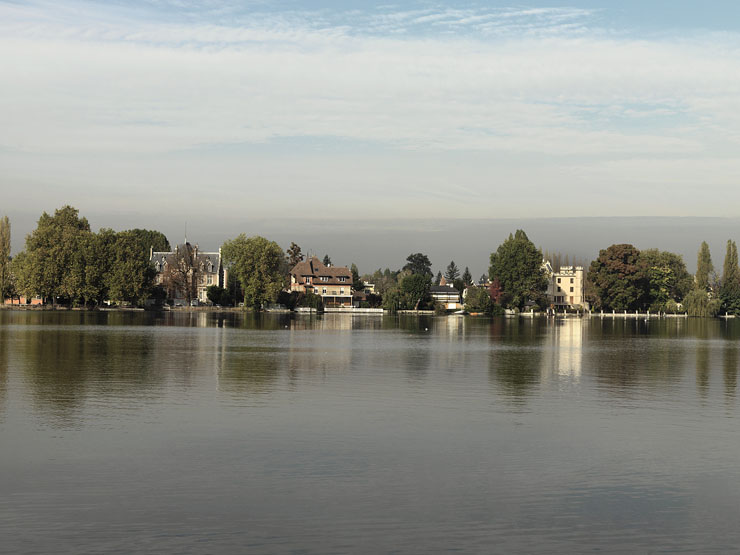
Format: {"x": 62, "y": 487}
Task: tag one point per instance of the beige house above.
{"x": 566, "y": 288}
{"x": 446, "y": 294}
{"x": 188, "y": 267}
{"x": 332, "y": 283}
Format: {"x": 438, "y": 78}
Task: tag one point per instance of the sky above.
{"x": 285, "y": 117}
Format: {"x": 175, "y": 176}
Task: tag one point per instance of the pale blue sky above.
{"x": 224, "y": 113}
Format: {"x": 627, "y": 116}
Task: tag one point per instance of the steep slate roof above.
{"x": 315, "y": 268}
{"x": 202, "y": 258}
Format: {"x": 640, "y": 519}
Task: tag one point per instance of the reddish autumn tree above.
{"x": 496, "y": 291}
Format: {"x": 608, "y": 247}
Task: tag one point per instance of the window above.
{"x": 559, "y": 289}
{"x": 324, "y": 278}
{"x": 571, "y": 280}
{"x": 558, "y": 280}
{"x": 341, "y": 291}
{"x": 324, "y": 290}
{"x": 571, "y": 289}
{"x": 210, "y": 280}
{"x": 342, "y": 279}
{"x": 308, "y": 279}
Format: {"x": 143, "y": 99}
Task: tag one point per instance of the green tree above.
{"x": 150, "y": 239}
{"x": 478, "y": 299}
{"x": 20, "y": 269}
{"x": 704, "y": 267}
{"x": 392, "y": 299}
{"x": 438, "y": 279}
{"x": 415, "y": 288}
{"x": 5, "y": 280}
{"x": 698, "y": 303}
{"x": 327, "y": 260}
{"x": 257, "y": 263}
{"x": 131, "y": 273}
{"x": 94, "y": 262}
{"x": 667, "y": 276}
{"x": 467, "y": 277}
{"x": 517, "y": 264}
{"x": 52, "y": 255}
{"x": 217, "y": 295}
{"x": 619, "y": 278}
{"x": 294, "y": 255}
{"x": 452, "y": 272}
{"x": 730, "y": 289}
{"x": 357, "y": 283}
{"x": 419, "y": 263}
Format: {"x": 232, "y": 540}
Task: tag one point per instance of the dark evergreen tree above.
{"x": 467, "y": 278}
{"x": 517, "y": 264}
{"x": 452, "y": 272}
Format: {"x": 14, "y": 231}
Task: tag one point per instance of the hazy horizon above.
{"x": 376, "y": 243}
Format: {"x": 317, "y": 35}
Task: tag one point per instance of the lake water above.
{"x": 206, "y": 433}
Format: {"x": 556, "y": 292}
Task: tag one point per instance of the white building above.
{"x": 566, "y": 288}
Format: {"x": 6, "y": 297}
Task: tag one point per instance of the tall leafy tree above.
{"x": 452, "y": 272}
{"x": 619, "y": 278}
{"x": 730, "y": 288}
{"x": 327, "y": 260}
{"x": 5, "y": 274}
{"x": 415, "y": 288}
{"x": 131, "y": 274}
{"x": 467, "y": 277}
{"x": 51, "y": 254}
{"x": 438, "y": 279}
{"x": 357, "y": 283}
{"x": 257, "y": 263}
{"x": 150, "y": 239}
{"x": 294, "y": 255}
{"x": 667, "y": 276}
{"x": 478, "y": 299}
{"x": 704, "y": 267}
{"x": 698, "y": 303}
{"x": 418, "y": 263}
{"x": 517, "y": 264}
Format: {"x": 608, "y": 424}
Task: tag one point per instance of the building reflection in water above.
{"x": 562, "y": 357}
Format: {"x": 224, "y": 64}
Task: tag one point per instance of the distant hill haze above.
{"x": 376, "y": 243}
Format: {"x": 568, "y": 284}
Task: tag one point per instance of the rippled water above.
{"x": 195, "y": 433}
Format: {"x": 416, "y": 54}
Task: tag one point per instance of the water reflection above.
{"x": 563, "y": 350}
{"x": 729, "y": 367}
{"x": 4, "y": 354}
{"x": 702, "y": 368}
{"x": 515, "y": 358}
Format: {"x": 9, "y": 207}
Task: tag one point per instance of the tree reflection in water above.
{"x": 516, "y": 353}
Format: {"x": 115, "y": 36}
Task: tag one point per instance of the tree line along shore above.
{"x": 65, "y": 263}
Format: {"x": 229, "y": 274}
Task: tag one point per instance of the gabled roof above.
{"x": 159, "y": 258}
{"x": 315, "y": 268}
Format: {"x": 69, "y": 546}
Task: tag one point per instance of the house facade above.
{"x": 446, "y": 294}
{"x": 332, "y": 283}
{"x": 188, "y": 268}
{"x": 566, "y": 287}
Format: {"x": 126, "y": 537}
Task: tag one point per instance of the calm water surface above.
{"x": 205, "y": 433}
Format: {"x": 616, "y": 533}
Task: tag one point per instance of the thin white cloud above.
{"x": 524, "y": 84}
